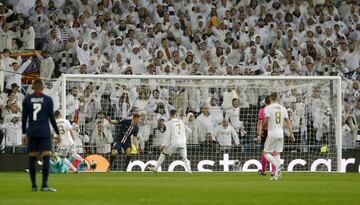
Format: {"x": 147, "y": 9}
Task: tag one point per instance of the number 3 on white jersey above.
{"x": 37, "y": 108}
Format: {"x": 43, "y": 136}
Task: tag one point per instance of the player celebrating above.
{"x": 66, "y": 144}
{"x": 262, "y": 135}
{"x": 128, "y": 127}
{"x": 173, "y": 142}
{"x": 275, "y": 115}
{"x": 37, "y": 111}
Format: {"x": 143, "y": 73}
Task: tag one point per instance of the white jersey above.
{"x": 277, "y": 114}
{"x": 175, "y": 133}
{"x": 64, "y": 127}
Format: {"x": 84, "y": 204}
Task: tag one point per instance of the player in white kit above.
{"x": 67, "y": 145}
{"x": 173, "y": 142}
{"x": 275, "y": 117}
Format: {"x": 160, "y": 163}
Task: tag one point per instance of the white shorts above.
{"x": 170, "y": 149}
{"x": 274, "y": 144}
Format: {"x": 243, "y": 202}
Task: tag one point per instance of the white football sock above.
{"x": 271, "y": 159}
{"x": 69, "y": 164}
{"x": 77, "y": 156}
{"x": 278, "y": 160}
{"x": 160, "y": 161}
{"x": 183, "y": 154}
{"x": 187, "y": 165}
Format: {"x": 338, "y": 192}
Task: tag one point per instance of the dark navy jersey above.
{"x": 38, "y": 110}
{"x": 126, "y": 130}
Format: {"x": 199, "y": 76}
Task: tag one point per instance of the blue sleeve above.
{"x": 25, "y": 115}
{"x": 136, "y": 130}
{"x": 52, "y": 117}
{"x": 121, "y": 126}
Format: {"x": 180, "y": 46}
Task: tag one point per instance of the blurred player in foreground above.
{"x": 37, "y": 111}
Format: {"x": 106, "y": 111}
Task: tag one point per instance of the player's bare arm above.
{"x": 289, "y": 127}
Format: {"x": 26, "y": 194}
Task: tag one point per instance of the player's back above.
{"x": 64, "y": 127}
{"x": 38, "y": 109}
{"x": 277, "y": 114}
{"x": 176, "y": 129}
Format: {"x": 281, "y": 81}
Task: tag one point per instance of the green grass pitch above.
{"x": 183, "y": 188}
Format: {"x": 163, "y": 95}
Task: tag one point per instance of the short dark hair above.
{"x": 136, "y": 115}
{"x": 273, "y": 96}
{"x": 173, "y": 112}
{"x": 37, "y": 84}
{"x": 57, "y": 113}
{"x": 267, "y": 100}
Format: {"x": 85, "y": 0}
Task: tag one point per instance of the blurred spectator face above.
{"x": 293, "y": 67}
{"x": 161, "y": 109}
{"x": 142, "y": 95}
{"x": 304, "y": 52}
{"x": 191, "y": 118}
{"x": 156, "y": 94}
{"x": 229, "y": 70}
{"x": 14, "y": 108}
{"x": 100, "y": 126}
{"x": 118, "y": 57}
{"x": 53, "y": 34}
{"x": 118, "y": 42}
{"x": 5, "y": 27}
{"x": 205, "y": 111}
{"x": 83, "y": 69}
{"x": 236, "y": 70}
{"x": 212, "y": 69}
{"x": 161, "y": 123}
{"x": 235, "y": 102}
{"x": 213, "y": 102}
{"x": 38, "y": 9}
{"x": 209, "y": 136}
{"x": 15, "y": 66}
{"x": 225, "y": 123}
{"x": 352, "y": 47}
{"x": 257, "y": 40}
{"x": 178, "y": 41}
{"x": 343, "y": 46}
{"x": 309, "y": 66}
{"x": 268, "y": 68}
{"x": 358, "y": 105}
{"x": 355, "y": 85}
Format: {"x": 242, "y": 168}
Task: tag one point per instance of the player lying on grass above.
{"x": 174, "y": 142}
{"x": 57, "y": 165}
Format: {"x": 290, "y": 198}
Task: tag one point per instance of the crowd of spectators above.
{"x": 182, "y": 37}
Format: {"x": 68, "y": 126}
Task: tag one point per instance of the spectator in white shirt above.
{"x": 12, "y": 130}
{"x": 206, "y": 122}
{"x": 47, "y": 64}
{"x": 28, "y": 37}
{"x": 101, "y": 139}
{"x": 226, "y": 135}
{"x": 195, "y": 136}
{"x": 72, "y": 104}
{"x": 7, "y": 36}
{"x": 17, "y": 70}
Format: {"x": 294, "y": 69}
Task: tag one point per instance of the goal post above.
{"x": 314, "y": 104}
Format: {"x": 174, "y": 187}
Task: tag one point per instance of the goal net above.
{"x": 96, "y": 102}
